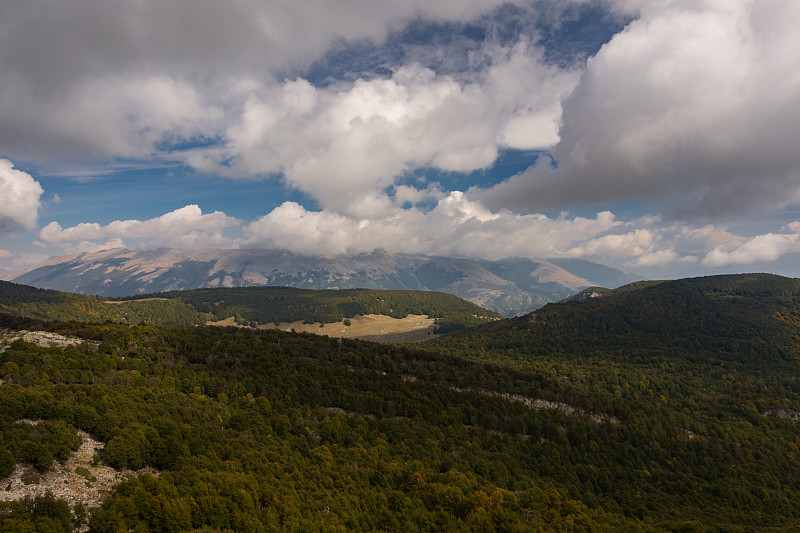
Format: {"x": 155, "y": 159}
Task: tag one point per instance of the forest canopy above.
{"x": 587, "y": 415}
{"x": 246, "y": 305}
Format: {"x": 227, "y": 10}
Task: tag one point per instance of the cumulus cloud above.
{"x": 145, "y": 82}
{"x": 185, "y": 227}
{"x": 694, "y": 105}
{"x": 20, "y": 195}
{"x": 455, "y": 226}
{"x": 458, "y": 226}
{"x": 766, "y": 247}
{"x": 102, "y": 80}
{"x": 340, "y": 143}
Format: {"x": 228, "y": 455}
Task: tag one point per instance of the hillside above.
{"x": 508, "y": 286}
{"x": 748, "y": 319}
{"x": 263, "y": 430}
{"x": 253, "y": 306}
{"x": 705, "y": 367}
{"x": 658, "y": 407}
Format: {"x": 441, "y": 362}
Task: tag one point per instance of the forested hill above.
{"x": 669, "y": 407}
{"x": 247, "y": 306}
{"x": 697, "y": 368}
{"x": 747, "y": 318}
{"x": 261, "y": 305}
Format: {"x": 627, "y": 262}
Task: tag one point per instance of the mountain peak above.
{"x": 508, "y": 286}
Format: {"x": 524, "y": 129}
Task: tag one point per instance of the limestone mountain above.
{"x": 509, "y": 286}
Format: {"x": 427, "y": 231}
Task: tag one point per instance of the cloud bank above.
{"x": 693, "y": 108}
{"x": 342, "y": 145}
{"x": 216, "y": 91}
{"x": 456, "y": 226}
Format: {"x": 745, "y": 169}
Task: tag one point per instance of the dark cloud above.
{"x": 76, "y": 63}
{"x": 695, "y": 109}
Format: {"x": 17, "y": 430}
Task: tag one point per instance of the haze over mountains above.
{"x": 509, "y": 286}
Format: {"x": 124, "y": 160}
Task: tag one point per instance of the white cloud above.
{"x": 87, "y": 81}
{"x": 20, "y": 195}
{"x": 339, "y": 144}
{"x": 456, "y": 226}
{"x": 528, "y": 94}
{"x": 19, "y": 261}
{"x": 185, "y": 227}
{"x": 406, "y": 194}
{"x": 697, "y": 102}
{"x": 633, "y": 243}
{"x": 25, "y": 260}
{"x": 100, "y": 93}
{"x": 766, "y": 247}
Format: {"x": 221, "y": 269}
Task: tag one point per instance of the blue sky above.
{"x": 658, "y": 137}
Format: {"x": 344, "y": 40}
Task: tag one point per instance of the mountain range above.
{"x": 510, "y": 286}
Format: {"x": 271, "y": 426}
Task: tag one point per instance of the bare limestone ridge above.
{"x": 82, "y": 479}
{"x": 39, "y": 338}
{"x": 510, "y": 286}
{"x": 539, "y": 403}
{"x": 786, "y": 414}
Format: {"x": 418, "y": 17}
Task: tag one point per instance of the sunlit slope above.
{"x": 251, "y": 306}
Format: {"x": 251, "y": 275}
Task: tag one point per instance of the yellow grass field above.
{"x": 378, "y": 328}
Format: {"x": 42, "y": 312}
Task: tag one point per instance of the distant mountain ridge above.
{"x": 509, "y": 286}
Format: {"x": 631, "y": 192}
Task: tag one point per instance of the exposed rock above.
{"x": 509, "y": 286}
{"x": 794, "y": 416}
{"x": 40, "y": 338}
{"x": 82, "y": 479}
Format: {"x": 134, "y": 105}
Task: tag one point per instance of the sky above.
{"x": 657, "y": 136}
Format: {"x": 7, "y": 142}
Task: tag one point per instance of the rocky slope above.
{"x": 508, "y": 286}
